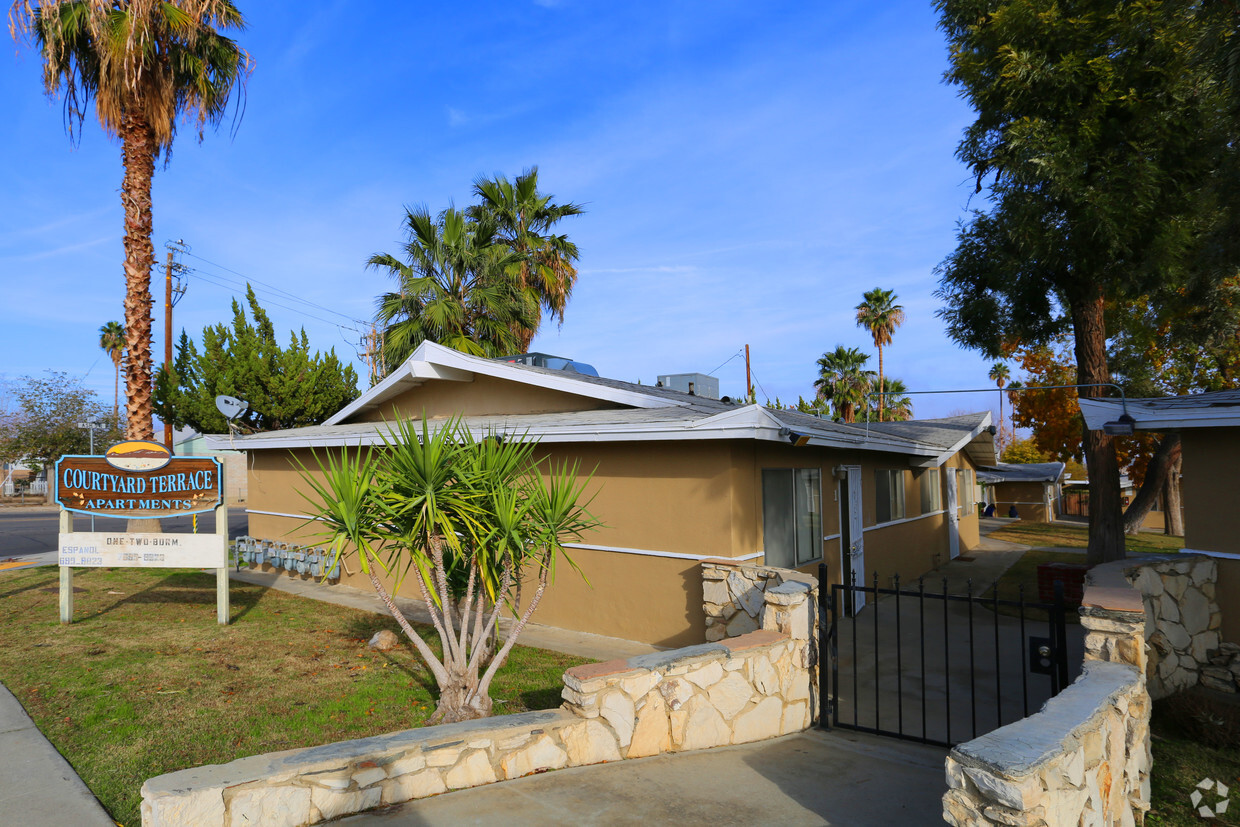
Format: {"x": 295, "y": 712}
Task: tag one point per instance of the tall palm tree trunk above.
{"x": 116, "y": 393}
{"x": 881, "y": 398}
{"x": 138, "y": 147}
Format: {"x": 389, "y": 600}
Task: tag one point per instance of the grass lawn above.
{"x": 145, "y": 681}
{"x": 1069, "y": 535}
{"x": 1024, "y": 572}
{"x": 1194, "y": 739}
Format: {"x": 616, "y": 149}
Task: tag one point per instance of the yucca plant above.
{"x": 473, "y": 520}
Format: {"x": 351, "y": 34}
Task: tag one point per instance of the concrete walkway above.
{"x": 38, "y": 788}
{"x": 579, "y": 644}
{"x": 811, "y": 778}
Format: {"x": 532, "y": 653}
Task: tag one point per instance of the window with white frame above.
{"x": 931, "y": 491}
{"x": 964, "y": 481}
{"x": 791, "y": 516}
{"x": 888, "y": 495}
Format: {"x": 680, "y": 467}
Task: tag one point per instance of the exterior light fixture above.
{"x": 795, "y": 438}
{"x": 1124, "y": 426}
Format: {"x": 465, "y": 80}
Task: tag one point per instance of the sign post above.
{"x": 66, "y": 573}
{"x": 141, "y": 480}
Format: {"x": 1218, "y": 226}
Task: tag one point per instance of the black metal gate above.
{"x": 935, "y": 667}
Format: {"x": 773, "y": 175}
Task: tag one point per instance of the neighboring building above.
{"x": 189, "y": 443}
{"x": 677, "y": 479}
{"x": 1209, "y": 428}
{"x": 1034, "y": 489}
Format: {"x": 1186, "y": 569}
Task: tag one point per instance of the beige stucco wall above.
{"x": 1028, "y": 497}
{"x": 483, "y": 396}
{"x": 1211, "y": 519}
{"x": 701, "y": 498}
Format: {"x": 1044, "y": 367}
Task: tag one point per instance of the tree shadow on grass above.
{"x": 362, "y": 627}
{"x": 34, "y": 585}
{"x": 190, "y": 588}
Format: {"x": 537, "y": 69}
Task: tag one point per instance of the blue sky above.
{"x": 748, "y": 170}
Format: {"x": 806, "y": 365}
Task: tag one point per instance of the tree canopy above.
{"x": 880, "y": 315}
{"x": 843, "y": 381}
{"x": 45, "y": 422}
{"x": 144, "y": 65}
{"x": 1097, "y": 138}
{"x": 478, "y": 279}
{"x": 286, "y": 387}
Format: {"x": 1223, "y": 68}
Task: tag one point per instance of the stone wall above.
{"x": 1182, "y": 620}
{"x": 748, "y": 688}
{"x": 732, "y": 595}
{"x": 1151, "y": 630}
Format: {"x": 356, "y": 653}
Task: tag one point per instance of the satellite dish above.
{"x": 231, "y": 407}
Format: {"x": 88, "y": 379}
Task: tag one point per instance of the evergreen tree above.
{"x": 286, "y": 387}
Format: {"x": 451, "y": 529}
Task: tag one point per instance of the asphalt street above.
{"x": 26, "y": 532}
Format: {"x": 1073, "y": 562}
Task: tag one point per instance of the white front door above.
{"x": 856, "y": 537}
{"x": 953, "y": 517}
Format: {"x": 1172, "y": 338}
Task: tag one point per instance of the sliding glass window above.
{"x": 791, "y": 516}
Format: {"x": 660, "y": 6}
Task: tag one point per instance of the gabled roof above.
{"x": 1219, "y": 409}
{"x": 646, "y": 413}
{"x": 430, "y": 361}
{"x": 1022, "y": 472}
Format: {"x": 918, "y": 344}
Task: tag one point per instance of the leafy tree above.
{"x": 1022, "y": 452}
{"x": 1096, "y": 138}
{"x": 112, "y": 341}
{"x": 46, "y": 421}
{"x": 286, "y": 388}
{"x": 472, "y": 519}
{"x": 843, "y": 381}
{"x": 524, "y": 219}
{"x": 145, "y": 65}
{"x": 458, "y": 287}
{"x": 880, "y": 315}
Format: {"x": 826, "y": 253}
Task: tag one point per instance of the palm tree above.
{"x": 112, "y": 340}
{"x": 458, "y": 287}
{"x": 145, "y": 64}
{"x": 843, "y": 381}
{"x": 899, "y": 406}
{"x": 524, "y": 218}
{"x": 1000, "y": 374}
{"x": 1013, "y": 398}
{"x": 880, "y": 315}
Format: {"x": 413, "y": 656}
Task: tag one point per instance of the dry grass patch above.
{"x": 146, "y": 682}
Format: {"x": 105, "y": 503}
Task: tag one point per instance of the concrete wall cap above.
{"x": 1021, "y": 748}
{"x": 661, "y": 660}
{"x": 762, "y": 637}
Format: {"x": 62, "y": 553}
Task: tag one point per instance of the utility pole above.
{"x": 169, "y": 302}
{"x": 748, "y": 376}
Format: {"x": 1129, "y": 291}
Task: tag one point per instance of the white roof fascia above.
{"x": 751, "y": 422}
{"x": 963, "y": 441}
{"x": 432, "y": 361}
{"x": 1100, "y": 411}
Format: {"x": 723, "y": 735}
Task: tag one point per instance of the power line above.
{"x": 739, "y": 352}
{"x": 273, "y": 288}
{"x": 296, "y": 310}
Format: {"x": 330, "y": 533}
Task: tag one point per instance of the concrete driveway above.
{"x": 811, "y": 778}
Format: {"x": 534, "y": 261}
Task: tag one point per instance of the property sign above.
{"x": 163, "y": 551}
{"x": 138, "y": 479}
